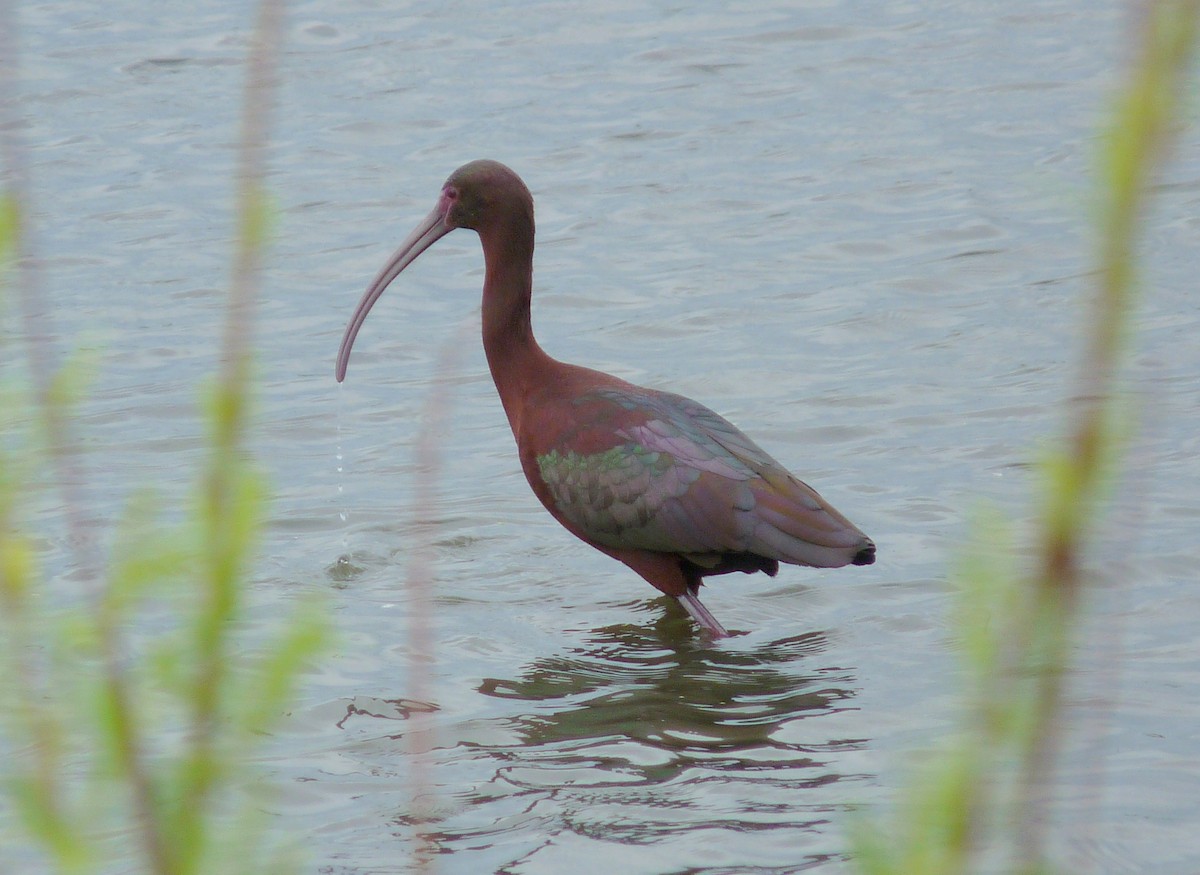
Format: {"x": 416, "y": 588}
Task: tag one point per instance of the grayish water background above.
{"x": 857, "y": 230}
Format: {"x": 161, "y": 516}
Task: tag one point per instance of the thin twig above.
{"x": 420, "y": 579}
{"x": 223, "y": 478}
{"x": 44, "y": 365}
{"x": 1145, "y": 114}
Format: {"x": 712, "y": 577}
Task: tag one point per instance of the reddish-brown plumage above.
{"x": 654, "y": 480}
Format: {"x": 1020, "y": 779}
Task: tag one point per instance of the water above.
{"x": 857, "y": 230}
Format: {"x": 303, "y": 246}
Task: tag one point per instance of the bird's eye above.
{"x": 451, "y": 193}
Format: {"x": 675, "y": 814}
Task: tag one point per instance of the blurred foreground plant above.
{"x": 985, "y": 793}
{"x": 128, "y": 712}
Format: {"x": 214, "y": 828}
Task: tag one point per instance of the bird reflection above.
{"x": 646, "y": 734}
{"x": 662, "y": 686}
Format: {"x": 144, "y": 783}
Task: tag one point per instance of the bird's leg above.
{"x": 704, "y": 619}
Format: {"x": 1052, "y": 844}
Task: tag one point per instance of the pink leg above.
{"x": 704, "y": 619}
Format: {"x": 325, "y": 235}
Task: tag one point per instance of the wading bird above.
{"x": 653, "y": 479}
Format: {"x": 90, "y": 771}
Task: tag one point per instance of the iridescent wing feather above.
{"x": 678, "y": 478}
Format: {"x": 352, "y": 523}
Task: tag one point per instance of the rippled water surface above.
{"x": 857, "y": 230}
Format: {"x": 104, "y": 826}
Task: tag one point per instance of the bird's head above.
{"x": 485, "y": 196}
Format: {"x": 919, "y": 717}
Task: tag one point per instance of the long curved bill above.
{"x": 432, "y": 228}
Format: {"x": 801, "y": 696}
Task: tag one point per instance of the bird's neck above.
{"x": 517, "y": 363}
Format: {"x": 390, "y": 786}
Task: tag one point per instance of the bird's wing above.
{"x": 793, "y": 523}
{"x": 661, "y": 472}
{"x": 659, "y": 484}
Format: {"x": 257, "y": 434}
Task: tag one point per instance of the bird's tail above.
{"x": 796, "y": 525}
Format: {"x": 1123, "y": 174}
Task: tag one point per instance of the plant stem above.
{"x": 1146, "y": 109}
{"x": 225, "y": 540}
